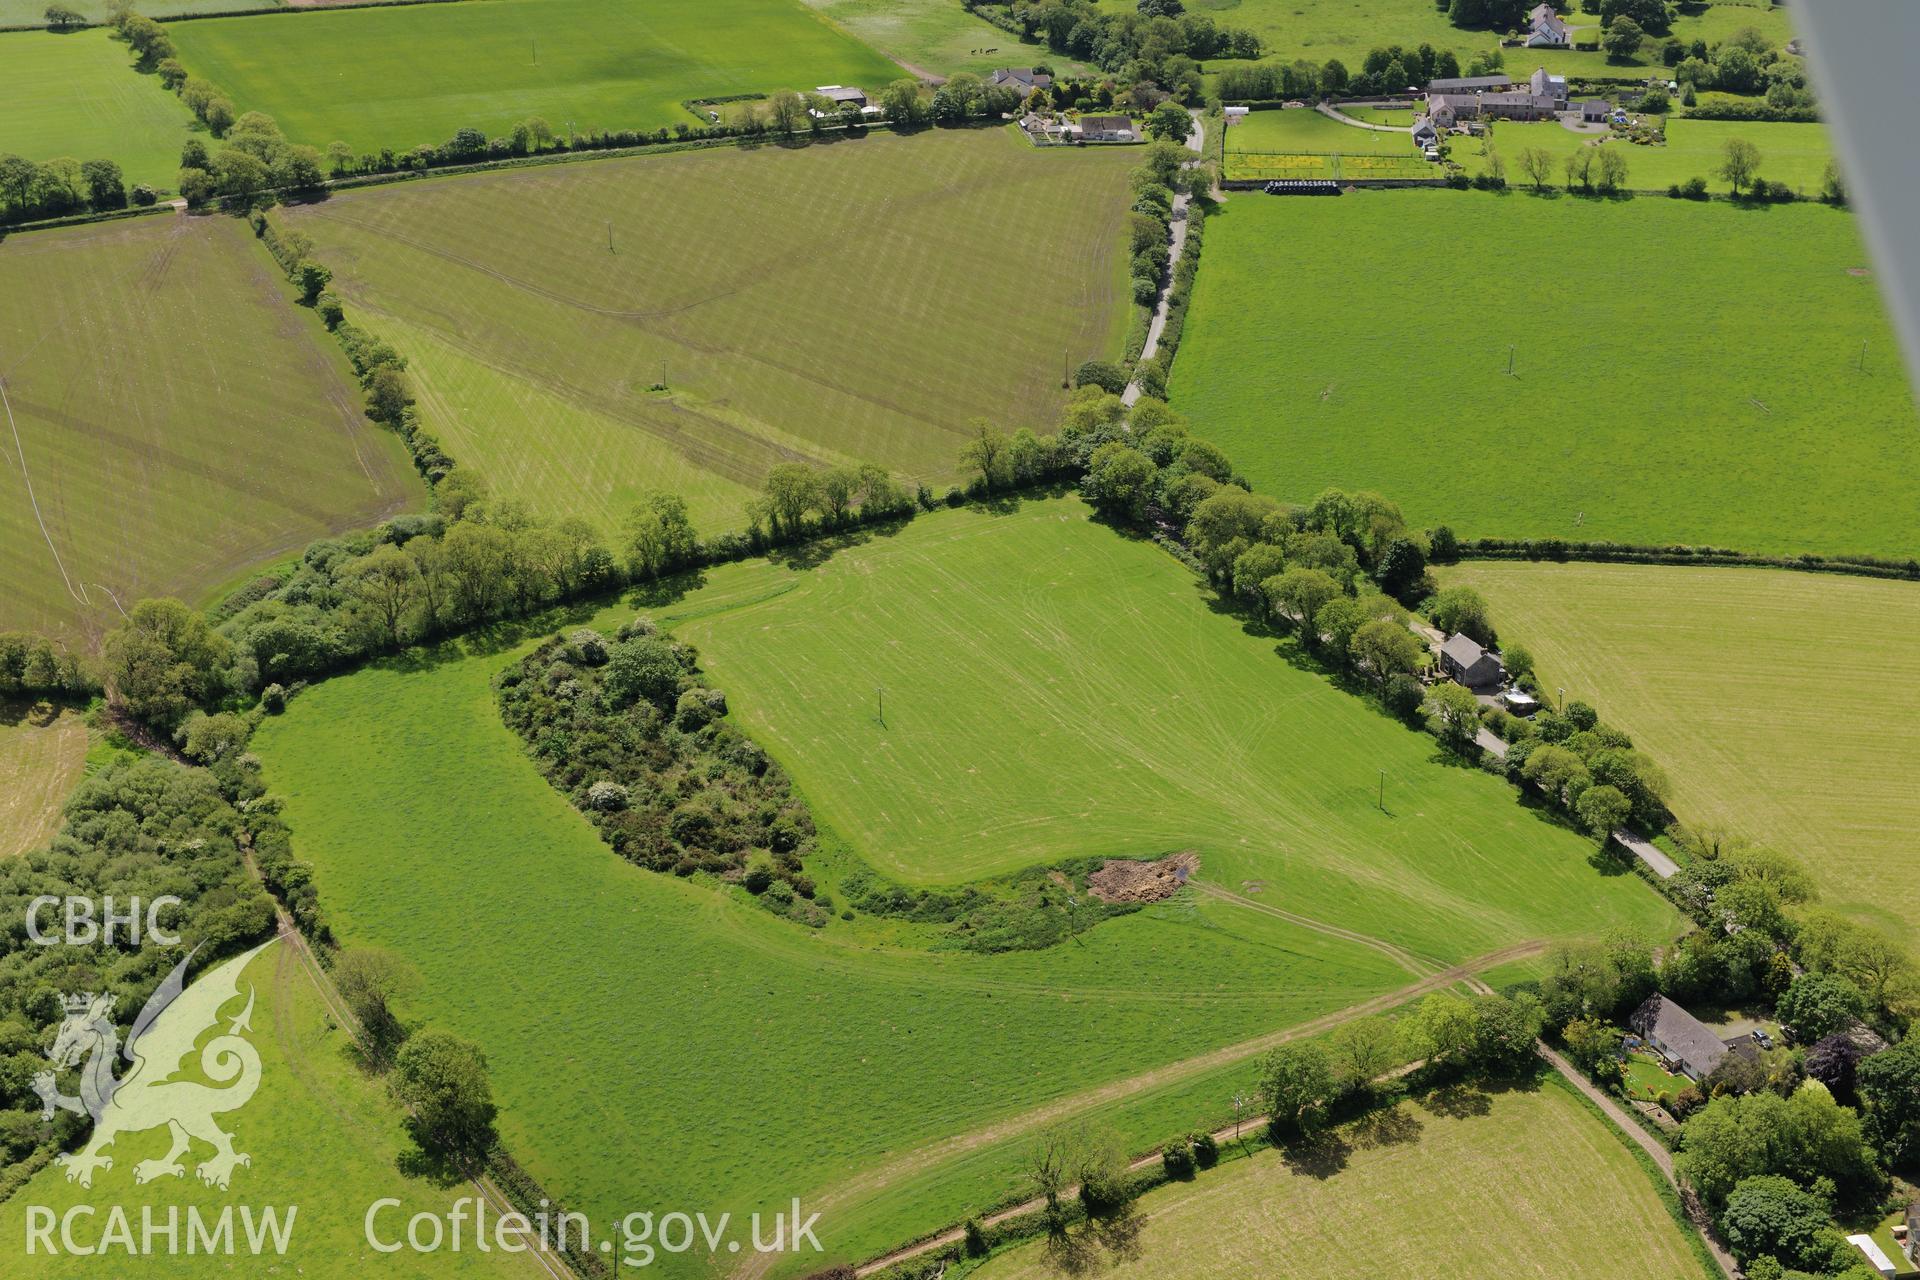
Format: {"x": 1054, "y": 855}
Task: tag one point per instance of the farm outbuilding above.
{"x": 841, "y": 94}
{"x": 1470, "y": 84}
{"x": 1595, "y": 110}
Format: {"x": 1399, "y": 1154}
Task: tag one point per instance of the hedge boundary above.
{"x": 1560, "y": 552}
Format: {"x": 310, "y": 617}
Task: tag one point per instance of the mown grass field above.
{"x": 1306, "y": 144}
{"x": 1691, "y": 412}
{"x": 1796, "y": 154}
{"x": 21, "y": 13}
{"x": 43, "y": 754}
{"x": 592, "y": 984}
{"x": 176, "y": 416}
{"x": 1814, "y": 754}
{"x": 1308, "y": 130}
{"x": 76, "y": 94}
{"x": 1055, "y": 690}
{"x": 400, "y": 76}
{"x": 936, "y": 36}
{"x": 1321, "y": 29}
{"x": 1514, "y": 1184}
{"x": 324, "y": 1138}
{"x": 852, "y": 300}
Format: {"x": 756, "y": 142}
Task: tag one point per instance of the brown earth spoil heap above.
{"x": 1121, "y": 880}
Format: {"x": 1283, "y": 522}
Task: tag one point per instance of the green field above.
{"x": 593, "y": 985}
{"x": 937, "y": 37}
{"x": 178, "y": 419}
{"x": 1814, "y": 757}
{"x": 400, "y": 76}
{"x": 1687, "y": 412}
{"x": 1321, "y": 29}
{"x": 853, "y": 300}
{"x": 1796, "y": 154}
{"x": 1530, "y": 1184}
{"x": 1306, "y": 144}
{"x": 43, "y": 753}
{"x": 324, "y": 1140}
{"x": 76, "y": 94}
{"x": 1304, "y": 130}
{"x": 20, "y": 13}
{"x": 1053, "y": 690}
{"x": 537, "y": 941}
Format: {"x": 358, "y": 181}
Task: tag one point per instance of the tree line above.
{"x": 61, "y": 186}
{"x": 1159, "y": 45}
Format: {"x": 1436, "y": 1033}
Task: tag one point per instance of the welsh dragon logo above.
{"x": 148, "y": 1096}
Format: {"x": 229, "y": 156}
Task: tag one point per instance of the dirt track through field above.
{"x": 1405, "y": 959}
{"x": 912, "y": 1163}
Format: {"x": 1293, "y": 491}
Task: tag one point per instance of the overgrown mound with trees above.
{"x": 1028, "y": 911}
{"x": 627, "y": 731}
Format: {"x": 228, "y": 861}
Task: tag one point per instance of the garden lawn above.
{"x": 853, "y": 300}
{"x": 403, "y": 75}
{"x": 1796, "y": 154}
{"x": 1814, "y": 757}
{"x": 43, "y": 754}
{"x": 1471, "y": 1185}
{"x": 1323, "y": 349}
{"x": 1053, "y": 689}
{"x": 176, "y": 416}
{"x": 1647, "y": 1079}
{"x": 617, "y": 1005}
{"x": 76, "y": 94}
{"x": 325, "y": 1141}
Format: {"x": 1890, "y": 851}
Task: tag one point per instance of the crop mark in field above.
{"x": 20, "y": 453}
{"x": 134, "y": 446}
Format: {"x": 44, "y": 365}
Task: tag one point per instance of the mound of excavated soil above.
{"x": 1122, "y": 880}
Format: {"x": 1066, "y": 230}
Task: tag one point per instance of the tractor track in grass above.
{"x": 1413, "y": 964}
{"x": 914, "y": 1162}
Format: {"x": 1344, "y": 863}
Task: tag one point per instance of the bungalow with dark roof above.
{"x": 1463, "y": 660}
{"x": 1022, "y": 80}
{"x": 1107, "y": 129}
{"x": 1545, "y": 30}
{"x": 1680, "y": 1037}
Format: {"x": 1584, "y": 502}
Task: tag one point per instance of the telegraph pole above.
{"x": 880, "y": 702}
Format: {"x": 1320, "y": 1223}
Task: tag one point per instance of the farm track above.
{"x": 909, "y": 1164}
{"x": 1413, "y": 964}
